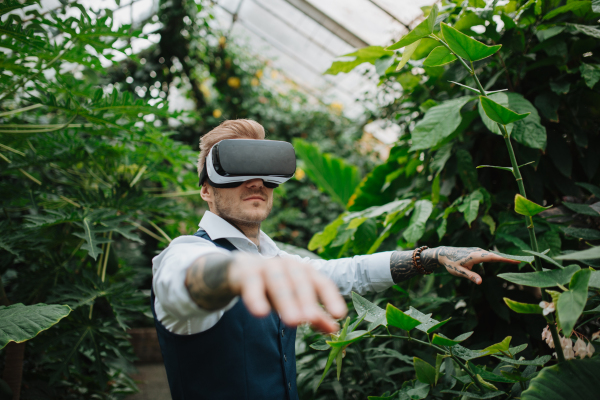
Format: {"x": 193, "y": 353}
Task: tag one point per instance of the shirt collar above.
{"x": 218, "y": 228}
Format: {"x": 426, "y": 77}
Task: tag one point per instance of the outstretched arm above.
{"x": 457, "y": 260}
{"x": 291, "y": 288}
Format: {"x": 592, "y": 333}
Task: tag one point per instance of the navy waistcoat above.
{"x": 241, "y": 357}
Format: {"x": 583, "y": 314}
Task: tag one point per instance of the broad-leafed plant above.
{"x": 87, "y": 177}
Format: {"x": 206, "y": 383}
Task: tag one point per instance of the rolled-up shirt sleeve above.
{"x": 174, "y": 305}
{"x": 360, "y": 274}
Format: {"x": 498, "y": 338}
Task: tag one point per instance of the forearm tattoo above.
{"x": 403, "y": 268}
{"x": 206, "y": 281}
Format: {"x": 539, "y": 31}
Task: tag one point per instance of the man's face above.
{"x": 248, "y": 204}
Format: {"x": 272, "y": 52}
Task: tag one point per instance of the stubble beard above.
{"x": 226, "y": 209}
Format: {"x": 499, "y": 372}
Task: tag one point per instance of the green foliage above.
{"x": 542, "y": 278}
{"x": 465, "y": 46}
{"x": 571, "y": 303}
{"x": 498, "y": 113}
{"x": 438, "y": 57}
{"x": 425, "y": 372}
{"x": 19, "y": 323}
{"x": 429, "y": 132}
{"x": 331, "y": 174}
{"x": 523, "y": 308}
{"x": 572, "y": 380}
{"x": 367, "y": 54}
{"x": 527, "y": 207}
{"x": 397, "y": 318}
{"x": 425, "y": 28}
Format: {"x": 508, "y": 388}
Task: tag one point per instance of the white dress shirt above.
{"x": 176, "y": 310}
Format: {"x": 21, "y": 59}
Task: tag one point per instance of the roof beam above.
{"x": 326, "y": 22}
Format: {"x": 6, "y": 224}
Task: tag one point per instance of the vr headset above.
{"x": 232, "y": 162}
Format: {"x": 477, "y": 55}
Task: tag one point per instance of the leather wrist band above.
{"x": 416, "y": 257}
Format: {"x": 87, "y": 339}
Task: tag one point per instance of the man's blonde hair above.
{"x": 229, "y": 129}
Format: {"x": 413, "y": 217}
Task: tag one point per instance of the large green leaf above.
{"x": 465, "y": 46}
{"x": 529, "y": 131}
{"x": 425, "y": 371}
{"x": 577, "y": 7}
{"x": 19, "y": 322}
{"x": 590, "y": 74}
{"x": 581, "y": 209}
{"x": 438, "y": 123}
{"x": 523, "y": 308}
{"x": 542, "y": 279}
{"x": 581, "y": 233}
{"x": 527, "y": 207}
{"x": 589, "y": 254}
{"x": 418, "y": 219}
{"x": 444, "y": 341}
{"x": 498, "y": 113}
{"x": 332, "y": 175}
{"x": 322, "y": 239}
{"x": 571, "y": 303}
{"x": 539, "y": 361}
{"x": 373, "y": 313}
{"x": 573, "y": 380}
{"x": 397, "y": 318}
{"x": 501, "y": 347}
{"x": 439, "y": 56}
{"x": 367, "y": 54}
{"x": 425, "y": 28}
{"x": 408, "y": 51}
{"x": 470, "y": 206}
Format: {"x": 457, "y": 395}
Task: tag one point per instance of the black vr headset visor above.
{"x": 232, "y": 162}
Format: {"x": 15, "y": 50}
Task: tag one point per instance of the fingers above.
{"x": 463, "y": 272}
{"x": 253, "y": 292}
{"x": 329, "y": 295}
{"x": 481, "y": 256}
{"x": 292, "y": 289}
{"x": 281, "y": 293}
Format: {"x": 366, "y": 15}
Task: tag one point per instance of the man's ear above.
{"x": 207, "y": 193}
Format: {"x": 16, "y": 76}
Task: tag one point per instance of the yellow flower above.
{"x": 259, "y": 73}
{"x": 299, "y": 174}
{"x": 337, "y": 107}
{"x": 254, "y": 82}
{"x": 217, "y": 113}
{"x": 274, "y": 74}
{"x": 233, "y": 82}
{"x": 222, "y": 41}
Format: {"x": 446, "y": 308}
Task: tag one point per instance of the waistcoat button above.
{"x": 290, "y": 385}
{"x": 284, "y": 358}
{"x": 282, "y": 331}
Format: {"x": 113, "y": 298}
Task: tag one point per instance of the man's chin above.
{"x": 254, "y": 215}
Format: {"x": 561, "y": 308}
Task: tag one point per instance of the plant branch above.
{"x": 412, "y": 340}
{"x": 517, "y": 173}
{"x": 468, "y": 371}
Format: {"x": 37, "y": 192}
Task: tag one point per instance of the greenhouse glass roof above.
{"x": 300, "y": 37}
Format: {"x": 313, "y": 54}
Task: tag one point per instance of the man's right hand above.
{"x": 293, "y": 289}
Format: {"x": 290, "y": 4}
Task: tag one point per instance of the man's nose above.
{"x": 255, "y": 183}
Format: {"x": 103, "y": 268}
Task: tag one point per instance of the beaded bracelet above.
{"x": 416, "y": 257}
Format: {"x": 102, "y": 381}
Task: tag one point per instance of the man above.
{"x": 218, "y": 346}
